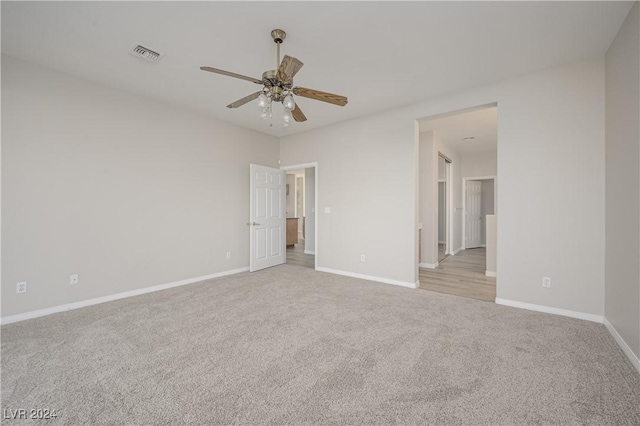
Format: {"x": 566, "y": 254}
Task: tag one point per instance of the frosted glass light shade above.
{"x": 262, "y": 100}
{"x": 289, "y": 102}
{"x": 287, "y": 117}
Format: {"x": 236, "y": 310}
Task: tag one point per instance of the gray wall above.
{"x": 122, "y": 190}
{"x": 622, "y": 289}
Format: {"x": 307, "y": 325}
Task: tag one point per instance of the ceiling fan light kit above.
{"x": 277, "y": 86}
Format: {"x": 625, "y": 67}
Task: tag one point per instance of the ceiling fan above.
{"x": 277, "y": 86}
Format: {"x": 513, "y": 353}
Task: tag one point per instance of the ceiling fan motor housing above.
{"x": 277, "y": 90}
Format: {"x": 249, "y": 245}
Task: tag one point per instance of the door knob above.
{"x": 252, "y": 224}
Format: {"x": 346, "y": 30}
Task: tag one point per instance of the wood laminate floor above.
{"x": 461, "y": 275}
{"x": 296, "y": 256}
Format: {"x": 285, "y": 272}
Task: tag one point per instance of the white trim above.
{"x": 429, "y": 265}
{"x": 456, "y": 251}
{"x": 313, "y": 165}
{"x": 310, "y": 252}
{"x": 440, "y": 242}
{"x": 490, "y": 273}
{"x": 90, "y": 302}
{"x": 623, "y": 345}
{"x": 368, "y": 277}
{"x": 550, "y": 310}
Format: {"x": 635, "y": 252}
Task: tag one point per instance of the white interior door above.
{"x": 267, "y": 217}
{"x": 473, "y": 219}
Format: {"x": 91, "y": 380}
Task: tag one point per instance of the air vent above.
{"x": 145, "y": 53}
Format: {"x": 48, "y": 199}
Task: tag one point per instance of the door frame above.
{"x": 315, "y": 225}
{"x": 464, "y": 203}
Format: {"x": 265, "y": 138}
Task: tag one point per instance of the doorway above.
{"x": 479, "y": 202}
{"x": 301, "y": 227}
{"x": 457, "y": 169}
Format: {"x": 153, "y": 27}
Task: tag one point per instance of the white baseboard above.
{"x": 368, "y": 277}
{"x": 428, "y": 265}
{"x": 483, "y": 245}
{"x": 549, "y": 310}
{"x": 623, "y": 345}
{"x": 456, "y": 251}
{"x": 310, "y": 252}
{"x": 490, "y": 274}
{"x": 440, "y": 242}
{"x": 90, "y": 302}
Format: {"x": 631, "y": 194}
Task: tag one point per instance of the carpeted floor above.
{"x": 290, "y": 345}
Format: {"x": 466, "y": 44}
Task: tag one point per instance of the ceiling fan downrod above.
{"x": 278, "y": 36}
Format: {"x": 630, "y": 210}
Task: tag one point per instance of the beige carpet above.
{"x": 290, "y": 345}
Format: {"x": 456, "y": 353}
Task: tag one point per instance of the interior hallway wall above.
{"x": 486, "y": 204}
{"x": 480, "y": 164}
{"x": 310, "y": 210}
{"x": 428, "y": 173}
{"x": 291, "y": 194}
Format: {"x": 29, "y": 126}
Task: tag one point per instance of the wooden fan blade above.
{"x": 244, "y": 100}
{"x": 298, "y": 114}
{"x": 231, "y": 74}
{"x": 320, "y": 96}
{"x": 288, "y": 68}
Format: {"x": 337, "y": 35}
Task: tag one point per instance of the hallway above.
{"x": 296, "y": 256}
{"x": 461, "y": 275}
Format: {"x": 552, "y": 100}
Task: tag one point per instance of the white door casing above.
{"x": 473, "y": 214}
{"x": 266, "y": 217}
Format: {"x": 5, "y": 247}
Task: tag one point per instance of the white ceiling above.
{"x": 379, "y": 54}
{"x": 481, "y": 124}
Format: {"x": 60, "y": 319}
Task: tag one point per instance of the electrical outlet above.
{"x": 228, "y": 255}
{"x": 363, "y": 258}
{"x": 73, "y": 279}
{"x": 21, "y": 287}
{"x": 546, "y": 282}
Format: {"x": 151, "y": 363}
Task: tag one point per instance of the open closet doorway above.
{"x": 300, "y": 192}
{"x": 444, "y": 223}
